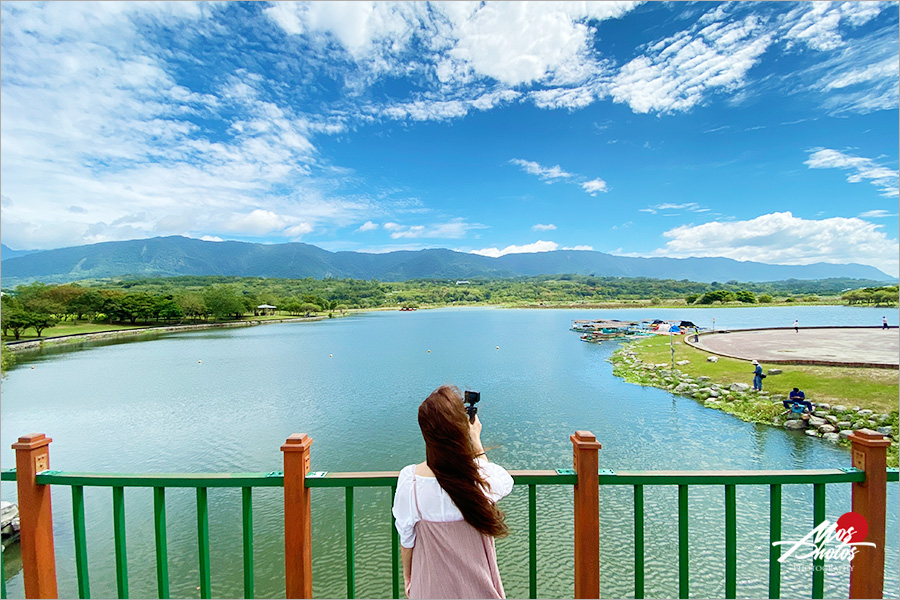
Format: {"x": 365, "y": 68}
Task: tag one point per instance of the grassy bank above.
{"x": 876, "y": 389}
{"x": 873, "y": 389}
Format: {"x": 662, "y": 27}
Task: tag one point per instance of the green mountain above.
{"x": 176, "y": 255}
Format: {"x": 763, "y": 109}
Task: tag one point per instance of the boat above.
{"x": 9, "y": 521}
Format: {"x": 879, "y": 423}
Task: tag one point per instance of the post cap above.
{"x": 585, "y": 440}
{"x": 297, "y": 442}
{"x": 867, "y": 437}
{"x": 32, "y": 441}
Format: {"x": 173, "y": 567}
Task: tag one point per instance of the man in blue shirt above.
{"x": 797, "y": 397}
{"x": 757, "y": 376}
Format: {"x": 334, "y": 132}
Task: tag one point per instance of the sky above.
{"x": 749, "y": 130}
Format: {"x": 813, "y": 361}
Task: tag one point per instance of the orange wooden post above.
{"x": 869, "y": 451}
{"x": 297, "y": 518}
{"x": 587, "y": 515}
{"x": 35, "y": 517}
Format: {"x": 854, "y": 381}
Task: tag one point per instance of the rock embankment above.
{"x": 830, "y": 422}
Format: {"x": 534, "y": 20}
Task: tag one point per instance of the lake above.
{"x": 225, "y": 400}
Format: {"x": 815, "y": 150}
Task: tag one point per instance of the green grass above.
{"x": 69, "y": 328}
{"x": 876, "y": 389}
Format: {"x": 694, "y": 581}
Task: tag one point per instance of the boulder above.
{"x": 729, "y": 398}
{"x": 826, "y": 429}
{"x": 871, "y": 424}
{"x": 778, "y": 397}
{"x": 838, "y": 408}
{"x": 883, "y": 418}
{"x": 711, "y": 403}
{"x": 885, "y": 430}
{"x": 831, "y": 419}
{"x": 681, "y": 387}
{"x": 763, "y": 393}
{"x": 774, "y": 372}
{"x": 821, "y": 413}
{"x": 682, "y": 362}
{"x": 661, "y": 365}
{"x": 795, "y": 424}
{"x": 831, "y": 437}
{"x": 843, "y": 425}
{"x": 845, "y": 433}
{"x": 816, "y": 421}
{"x": 698, "y": 395}
{"x": 811, "y": 433}
{"x": 714, "y": 393}
{"x": 865, "y": 412}
{"x": 712, "y": 359}
{"x": 824, "y": 406}
{"x": 703, "y": 378}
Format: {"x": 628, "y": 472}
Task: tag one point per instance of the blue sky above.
{"x": 755, "y": 131}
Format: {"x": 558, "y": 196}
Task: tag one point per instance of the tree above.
{"x": 746, "y": 297}
{"x": 691, "y": 298}
{"x": 41, "y": 321}
{"x": 16, "y": 320}
{"x": 191, "y": 304}
{"x": 222, "y": 301}
{"x": 765, "y": 299}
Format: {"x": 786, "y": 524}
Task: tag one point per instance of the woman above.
{"x": 445, "y": 507}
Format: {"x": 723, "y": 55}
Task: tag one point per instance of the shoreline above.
{"x": 32, "y": 345}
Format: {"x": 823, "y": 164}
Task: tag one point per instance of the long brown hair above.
{"x": 450, "y": 455}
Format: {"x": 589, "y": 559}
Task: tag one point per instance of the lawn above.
{"x": 876, "y": 389}
{"x": 69, "y": 328}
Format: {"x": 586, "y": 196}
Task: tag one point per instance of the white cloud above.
{"x": 538, "y": 246}
{"x": 211, "y": 238}
{"x": 782, "y": 238}
{"x": 582, "y": 248}
{"x": 593, "y": 186}
{"x": 676, "y": 73}
{"x": 876, "y": 214}
{"x": 670, "y": 206}
{"x": 817, "y": 24}
{"x": 540, "y": 227}
{"x": 454, "y": 229}
{"x": 860, "y": 168}
{"x": 545, "y": 173}
{"x": 367, "y": 226}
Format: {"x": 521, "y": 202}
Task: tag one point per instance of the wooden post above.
{"x": 297, "y": 517}
{"x": 35, "y": 517}
{"x": 587, "y": 515}
{"x": 869, "y": 451}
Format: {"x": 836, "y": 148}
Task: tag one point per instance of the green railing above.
{"x": 681, "y": 480}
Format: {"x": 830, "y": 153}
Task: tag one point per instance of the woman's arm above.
{"x": 406, "y": 559}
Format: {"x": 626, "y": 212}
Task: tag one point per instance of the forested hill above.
{"x": 176, "y": 255}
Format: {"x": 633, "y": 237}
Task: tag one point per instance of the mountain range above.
{"x": 177, "y": 255}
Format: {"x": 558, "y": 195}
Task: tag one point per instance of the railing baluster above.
{"x": 818, "y": 578}
{"x": 159, "y": 533}
{"x": 730, "y": 541}
{"x": 638, "y": 542}
{"x": 351, "y": 571}
{"x": 81, "y": 564}
{"x": 247, "y": 529}
{"x": 532, "y": 540}
{"x": 119, "y": 536}
{"x": 2, "y": 577}
{"x": 683, "y": 567}
{"x": 774, "y": 536}
{"x": 395, "y": 551}
{"x": 203, "y": 542}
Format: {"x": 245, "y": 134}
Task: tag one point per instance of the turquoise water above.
{"x": 354, "y": 385}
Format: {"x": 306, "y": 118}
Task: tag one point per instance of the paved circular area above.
{"x": 832, "y": 345}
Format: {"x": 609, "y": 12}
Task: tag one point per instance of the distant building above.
{"x": 265, "y": 309}
{"x": 462, "y": 282}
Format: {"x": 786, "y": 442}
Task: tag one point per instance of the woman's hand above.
{"x": 475, "y": 435}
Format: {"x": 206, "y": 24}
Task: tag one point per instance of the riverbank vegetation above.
{"x": 866, "y": 388}
{"x": 37, "y": 307}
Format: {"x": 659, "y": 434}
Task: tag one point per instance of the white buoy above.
{"x": 498, "y": 347}
{"x": 429, "y": 352}
{"x": 199, "y": 361}
{"x": 331, "y": 356}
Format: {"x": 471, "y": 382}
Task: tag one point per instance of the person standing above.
{"x": 445, "y": 507}
{"x": 757, "y": 376}
{"x": 796, "y": 326}
{"x": 884, "y": 324}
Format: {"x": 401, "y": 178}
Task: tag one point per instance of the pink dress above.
{"x": 452, "y": 559}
